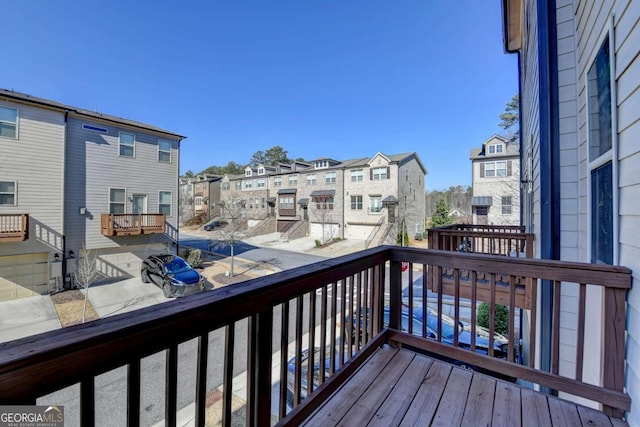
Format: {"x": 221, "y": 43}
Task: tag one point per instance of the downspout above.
{"x": 177, "y": 241}
{"x": 549, "y": 166}
{"x": 64, "y": 199}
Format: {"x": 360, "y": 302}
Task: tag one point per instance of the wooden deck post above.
{"x": 613, "y": 345}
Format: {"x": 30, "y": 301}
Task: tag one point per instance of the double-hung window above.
{"x": 127, "y": 144}
{"x": 357, "y": 175}
{"x": 506, "y": 205}
{"x": 225, "y": 186}
{"x": 248, "y": 184}
{"x": 375, "y": 204}
{"x": 356, "y": 203}
{"x": 164, "y": 151}
{"x": 8, "y": 193}
{"x": 601, "y": 155}
{"x": 164, "y": 203}
{"x": 116, "y": 200}
{"x": 293, "y": 180}
{"x": 330, "y": 177}
{"x": 277, "y": 181}
{"x": 261, "y": 183}
{"x": 8, "y": 122}
{"x": 379, "y": 173}
{"x": 311, "y": 179}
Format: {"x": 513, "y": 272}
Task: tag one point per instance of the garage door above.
{"x": 124, "y": 262}
{"x": 359, "y": 232}
{"x": 329, "y": 231}
{"x": 23, "y": 275}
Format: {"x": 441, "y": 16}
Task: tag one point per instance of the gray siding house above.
{"x": 72, "y": 178}
{"x": 579, "y": 65}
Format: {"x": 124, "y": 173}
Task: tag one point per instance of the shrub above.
{"x": 318, "y": 243}
{"x": 501, "y": 320}
{"x": 400, "y": 239}
{"x": 194, "y": 258}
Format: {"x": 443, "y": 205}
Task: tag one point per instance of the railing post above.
{"x": 614, "y": 345}
{"x": 259, "y": 374}
{"x": 395, "y": 297}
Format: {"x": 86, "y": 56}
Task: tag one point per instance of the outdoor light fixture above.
{"x": 56, "y": 257}
{"x": 71, "y": 254}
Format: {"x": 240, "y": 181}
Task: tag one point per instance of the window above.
{"x": 506, "y": 205}
{"x": 127, "y": 144}
{"x": 225, "y": 186}
{"x": 277, "y": 181}
{"x": 164, "y": 203}
{"x": 375, "y": 204}
{"x": 250, "y": 203}
{"x": 247, "y": 172}
{"x": 601, "y": 155}
{"x": 238, "y": 185}
{"x": 323, "y": 202}
{"x": 8, "y": 122}
{"x": 378, "y": 174}
{"x": 357, "y": 175}
{"x": 260, "y": 171}
{"x": 293, "y": 180}
{"x": 8, "y": 193}
{"x": 261, "y": 183}
{"x": 330, "y": 177}
{"x": 406, "y": 175}
{"x": 495, "y": 148}
{"x": 311, "y": 179}
{"x": 116, "y": 200}
{"x": 262, "y": 203}
{"x": 286, "y": 202}
{"x": 248, "y": 184}
{"x": 164, "y": 150}
{"x": 356, "y": 203}
{"x": 322, "y": 164}
{"x": 197, "y": 201}
{"x": 493, "y": 169}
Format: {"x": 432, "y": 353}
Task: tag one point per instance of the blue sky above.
{"x": 321, "y": 78}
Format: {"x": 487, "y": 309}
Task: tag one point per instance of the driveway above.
{"x": 27, "y": 316}
{"x": 123, "y": 296}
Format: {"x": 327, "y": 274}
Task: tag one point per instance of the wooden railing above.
{"x": 132, "y": 224}
{"x": 14, "y": 227}
{"x": 510, "y": 240}
{"x": 314, "y": 306}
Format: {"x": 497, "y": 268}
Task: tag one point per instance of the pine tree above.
{"x": 441, "y": 215}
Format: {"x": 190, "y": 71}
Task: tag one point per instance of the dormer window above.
{"x": 260, "y": 171}
{"x": 322, "y": 164}
{"x": 495, "y": 148}
{"x": 247, "y": 172}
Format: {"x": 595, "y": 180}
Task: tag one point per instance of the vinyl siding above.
{"x": 35, "y": 161}
{"x": 94, "y": 166}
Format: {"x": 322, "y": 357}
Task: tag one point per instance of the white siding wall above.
{"x": 35, "y": 161}
{"x": 411, "y": 196}
{"x": 94, "y": 166}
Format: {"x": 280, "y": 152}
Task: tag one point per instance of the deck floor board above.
{"x": 398, "y": 387}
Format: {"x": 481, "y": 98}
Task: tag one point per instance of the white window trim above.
{"x": 109, "y": 198}
{"x": 163, "y": 151}
{"x": 170, "y": 203}
{"x": 120, "y": 143}
{"x": 358, "y": 174}
{"x": 331, "y": 177}
{"x": 15, "y": 193}
{"x": 17, "y": 123}
{"x": 612, "y": 154}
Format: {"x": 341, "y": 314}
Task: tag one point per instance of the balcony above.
{"x": 14, "y": 227}
{"x": 132, "y": 224}
{"x": 254, "y": 334}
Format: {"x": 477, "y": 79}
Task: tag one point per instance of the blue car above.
{"x": 172, "y": 274}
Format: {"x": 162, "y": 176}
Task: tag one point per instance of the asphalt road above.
{"x": 278, "y": 258}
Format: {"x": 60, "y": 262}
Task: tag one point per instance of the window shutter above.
{"x": 371, "y": 174}
{"x": 508, "y": 167}
{"x": 388, "y": 172}
{"x": 481, "y": 170}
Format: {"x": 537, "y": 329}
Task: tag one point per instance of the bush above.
{"x": 194, "y": 258}
{"x": 501, "y": 320}
{"x": 400, "y": 238}
{"x": 318, "y": 243}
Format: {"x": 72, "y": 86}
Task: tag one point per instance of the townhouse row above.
{"x": 365, "y": 198}
{"x": 73, "y": 180}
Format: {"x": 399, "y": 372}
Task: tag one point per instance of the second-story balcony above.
{"x": 241, "y": 354}
{"x": 132, "y": 224}
{"x": 14, "y": 227}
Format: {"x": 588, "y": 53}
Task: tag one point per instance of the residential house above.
{"x": 579, "y": 68}
{"x": 83, "y": 196}
{"x": 496, "y": 182}
{"x": 186, "y": 198}
{"x": 206, "y": 193}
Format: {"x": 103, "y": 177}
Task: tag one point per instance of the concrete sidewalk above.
{"x": 307, "y": 245}
{"x": 27, "y": 316}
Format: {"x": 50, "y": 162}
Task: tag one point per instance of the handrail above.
{"x": 330, "y": 291}
{"x": 132, "y": 224}
{"x": 14, "y": 227}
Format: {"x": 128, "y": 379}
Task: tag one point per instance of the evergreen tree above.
{"x": 441, "y": 215}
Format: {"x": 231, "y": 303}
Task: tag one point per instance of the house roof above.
{"x": 482, "y": 201}
{"x": 389, "y": 200}
{"x": 25, "y": 98}
{"x": 512, "y": 25}
{"x": 287, "y": 191}
{"x": 303, "y": 202}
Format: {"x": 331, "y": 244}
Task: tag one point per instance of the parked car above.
{"x": 211, "y": 225}
{"x": 172, "y": 274}
{"x": 449, "y": 330}
{"x": 304, "y": 368}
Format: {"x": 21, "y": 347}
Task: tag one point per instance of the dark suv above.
{"x": 172, "y": 274}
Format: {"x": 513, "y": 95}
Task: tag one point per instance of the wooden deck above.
{"x": 397, "y": 387}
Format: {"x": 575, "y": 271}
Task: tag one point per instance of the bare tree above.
{"x": 85, "y": 274}
{"x": 234, "y": 213}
